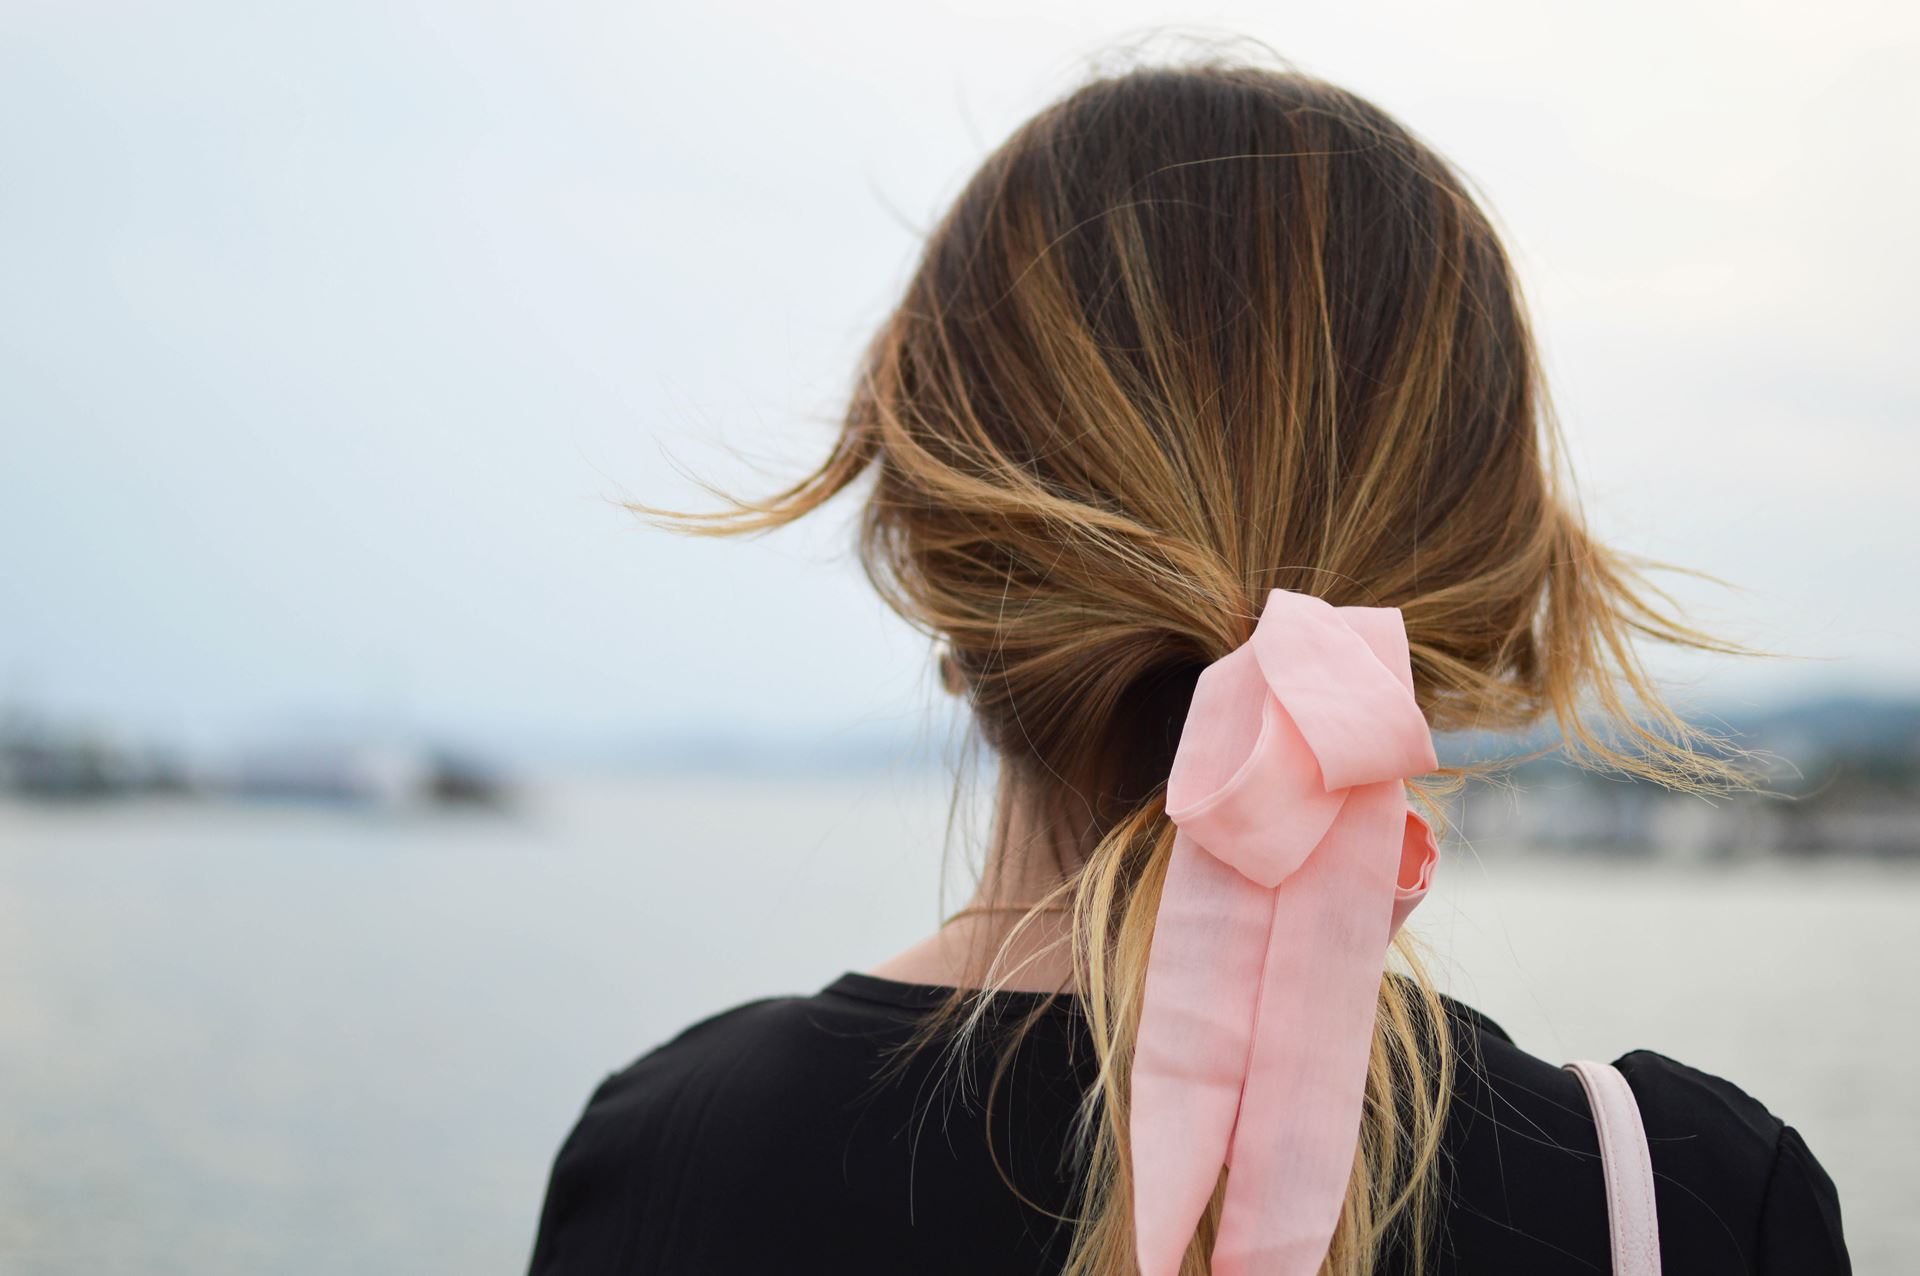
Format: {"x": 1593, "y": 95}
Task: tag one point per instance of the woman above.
{"x": 1209, "y": 426}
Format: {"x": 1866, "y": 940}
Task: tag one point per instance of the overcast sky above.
{"x": 330, "y": 333}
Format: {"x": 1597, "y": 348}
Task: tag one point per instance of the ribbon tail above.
{"x": 1293, "y": 1151}
{"x": 1196, "y": 1027}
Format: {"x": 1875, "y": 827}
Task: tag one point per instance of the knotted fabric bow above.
{"x": 1295, "y": 859}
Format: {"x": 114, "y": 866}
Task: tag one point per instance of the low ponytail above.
{"x": 1190, "y": 335}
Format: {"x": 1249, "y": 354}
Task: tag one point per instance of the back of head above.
{"x": 1188, "y": 336}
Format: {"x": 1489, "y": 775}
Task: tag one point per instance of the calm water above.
{"x": 263, "y": 1041}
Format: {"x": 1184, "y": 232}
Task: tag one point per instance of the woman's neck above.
{"x": 995, "y": 939}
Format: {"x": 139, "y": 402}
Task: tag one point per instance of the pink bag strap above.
{"x": 1632, "y": 1219}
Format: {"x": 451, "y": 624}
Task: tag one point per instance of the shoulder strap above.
{"x": 1631, "y": 1217}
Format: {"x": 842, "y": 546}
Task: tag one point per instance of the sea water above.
{"x": 265, "y": 1040}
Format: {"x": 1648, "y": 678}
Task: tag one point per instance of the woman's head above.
{"x": 1191, "y": 335}
{"x": 1188, "y": 336}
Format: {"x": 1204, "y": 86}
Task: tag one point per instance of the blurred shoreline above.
{"x": 1842, "y": 778}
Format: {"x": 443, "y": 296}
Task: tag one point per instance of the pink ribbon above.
{"x": 1295, "y": 859}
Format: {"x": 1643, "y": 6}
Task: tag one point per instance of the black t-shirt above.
{"x": 801, "y": 1134}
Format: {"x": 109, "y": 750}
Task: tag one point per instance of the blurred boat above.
{"x": 387, "y": 775}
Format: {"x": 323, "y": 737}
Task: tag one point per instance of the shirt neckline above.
{"x": 860, "y": 986}
{"x": 911, "y": 996}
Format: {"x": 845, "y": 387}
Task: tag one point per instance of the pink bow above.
{"x": 1295, "y": 859}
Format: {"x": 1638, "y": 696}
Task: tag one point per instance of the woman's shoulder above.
{"x": 691, "y": 1109}
{"x": 1704, "y": 1128}
{"x": 786, "y": 1055}
{"x": 756, "y": 1038}
{"x": 774, "y": 1051}
{"x": 1737, "y": 1188}
{"x": 811, "y": 1120}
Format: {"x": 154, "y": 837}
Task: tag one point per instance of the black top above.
{"x": 795, "y": 1135}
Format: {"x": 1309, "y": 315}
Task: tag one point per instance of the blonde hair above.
{"x": 1189, "y": 335}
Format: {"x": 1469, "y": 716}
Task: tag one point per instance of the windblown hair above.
{"x": 1189, "y": 335}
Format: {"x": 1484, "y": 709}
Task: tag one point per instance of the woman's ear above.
{"x": 950, "y": 676}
